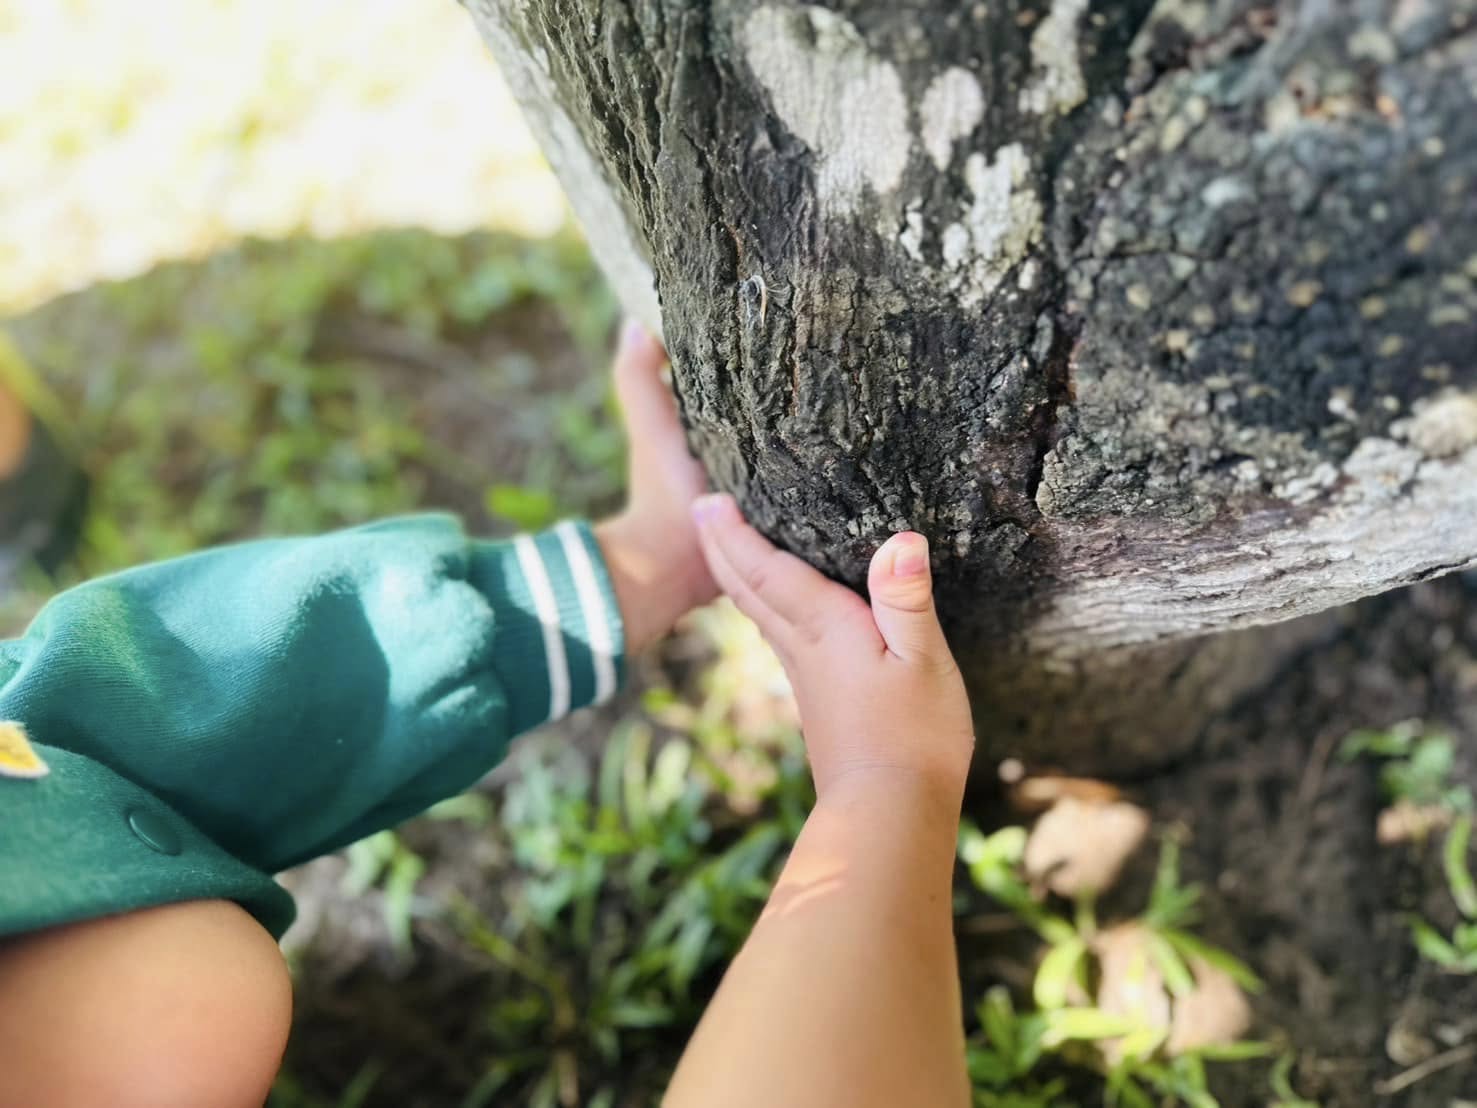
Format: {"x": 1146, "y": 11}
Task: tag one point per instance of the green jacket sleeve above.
{"x": 273, "y": 701}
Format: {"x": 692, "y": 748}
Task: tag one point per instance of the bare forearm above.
{"x": 847, "y": 991}
{"x": 651, "y": 586}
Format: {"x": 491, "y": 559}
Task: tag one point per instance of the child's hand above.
{"x": 651, "y": 548}
{"x": 877, "y": 686}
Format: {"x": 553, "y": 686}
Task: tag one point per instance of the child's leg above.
{"x": 182, "y": 1005}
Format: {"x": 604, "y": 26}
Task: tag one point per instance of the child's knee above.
{"x": 185, "y": 1004}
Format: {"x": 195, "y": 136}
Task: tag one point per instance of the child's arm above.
{"x": 209, "y": 721}
{"x": 651, "y": 548}
{"x": 847, "y": 991}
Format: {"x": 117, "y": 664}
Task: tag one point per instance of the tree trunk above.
{"x": 1158, "y": 319}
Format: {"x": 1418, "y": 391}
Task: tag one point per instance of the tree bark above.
{"x": 1157, "y": 318}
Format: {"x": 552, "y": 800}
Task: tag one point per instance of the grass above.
{"x": 1457, "y": 953}
{"x": 299, "y": 386}
{"x": 620, "y": 890}
{"x": 636, "y": 887}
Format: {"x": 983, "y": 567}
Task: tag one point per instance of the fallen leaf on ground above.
{"x": 1130, "y": 984}
{"x": 1405, "y": 822}
{"x": 1037, "y": 793}
{"x": 1215, "y": 1013}
{"x": 1080, "y": 846}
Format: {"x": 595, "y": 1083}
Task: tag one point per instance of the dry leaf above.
{"x": 1405, "y": 821}
{"x": 1130, "y": 984}
{"x": 1037, "y": 793}
{"x": 1216, "y": 1013}
{"x": 1080, "y": 846}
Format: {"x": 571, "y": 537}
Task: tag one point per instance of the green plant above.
{"x": 288, "y": 1092}
{"x": 1281, "y": 1082}
{"x": 384, "y": 861}
{"x": 618, "y": 891}
{"x": 525, "y": 508}
{"x": 303, "y": 385}
{"x": 631, "y": 888}
{"x": 1002, "y": 1057}
{"x": 1172, "y": 909}
{"x": 1418, "y": 764}
{"x": 1459, "y": 952}
{"x": 1068, "y": 1030}
{"x": 1418, "y": 772}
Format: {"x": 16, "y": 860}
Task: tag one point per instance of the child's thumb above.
{"x": 902, "y": 599}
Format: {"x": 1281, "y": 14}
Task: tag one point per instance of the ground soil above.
{"x": 1282, "y": 835}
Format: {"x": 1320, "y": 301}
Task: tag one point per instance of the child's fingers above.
{"x": 902, "y": 599}
{"x": 732, "y": 584}
{"x": 644, "y": 397}
{"x": 795, "y": 599}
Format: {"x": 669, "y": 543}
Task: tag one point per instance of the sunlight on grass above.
{"x": 159, "y": 129}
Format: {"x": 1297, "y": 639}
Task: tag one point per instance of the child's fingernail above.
{"x": 705, "y": 509}
{"x": 631, "y": 334}
{"x": 912, "y": 559}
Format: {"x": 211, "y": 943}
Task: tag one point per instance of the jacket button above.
{"x": 153, "y": 831}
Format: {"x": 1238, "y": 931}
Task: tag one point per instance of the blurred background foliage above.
{"x": 300, "y": 385}
{"x": 281, "y": 267}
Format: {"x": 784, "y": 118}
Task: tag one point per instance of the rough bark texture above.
{"x": 1157, "y": 318}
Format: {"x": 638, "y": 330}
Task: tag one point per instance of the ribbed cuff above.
{"x": 559, "y": 642}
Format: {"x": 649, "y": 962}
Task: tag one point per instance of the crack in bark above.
{"x": 1047, "y": 428}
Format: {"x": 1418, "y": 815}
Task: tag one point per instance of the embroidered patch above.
{"x": 18, "y": 758}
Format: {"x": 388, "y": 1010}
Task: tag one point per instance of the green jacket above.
{"x": 207, "y": 722}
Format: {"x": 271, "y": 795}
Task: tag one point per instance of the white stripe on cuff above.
{"x": 592, "y": 605}
{"x": 547, "y": 608}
